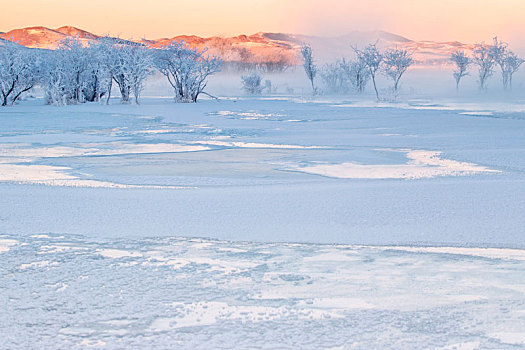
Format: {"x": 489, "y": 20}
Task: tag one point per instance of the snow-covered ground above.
{"x": 421, "y": 201}
{"x": 164, "y": 293}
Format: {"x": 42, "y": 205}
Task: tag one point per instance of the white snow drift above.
{"x": 421, "y": 164}
{"x": 15, "y": 162}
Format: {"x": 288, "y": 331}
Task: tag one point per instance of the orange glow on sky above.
{"x": 439, "y": 20}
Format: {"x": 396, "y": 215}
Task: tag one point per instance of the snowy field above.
{"x": 321, "y": 223}
{"x": 62, "y": 292}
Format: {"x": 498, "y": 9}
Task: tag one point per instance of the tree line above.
{"x": 486, "y": 58}
{"x": 77, "y": 73}
{"x": 345, "y": 76}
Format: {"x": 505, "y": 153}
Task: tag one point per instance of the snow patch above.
{"x": 77, "y": 331}
{"x": 478, "y": 113}
{"x": 209, "y": 313}
{"x": 5, "y": 244}
{"x": 338, "y": 303}
{"x": 491, "y": 253}
{"x": 252, "y": 115}
{"x": 515, "y": 338}
{"x": 13, "y": 157}
{"x": 40, "y": 236}
{"x": 471, "y": 345}
{"x": 331, "y": 256}
{"x": 218, "y": 265}
{"x": 118, "y": 322}
{"x": 160, "y": 131}
{"x": 37, "y": 264}
{"x": 421, "y": 164}
{"x": 51, "y": 249}
{"x": 118, "y": 254}
{"x": 253, "y": 145}
{"x": 57, "y": 176}
{"x": 92, "y": 343}
{"x": 25, "y": 151}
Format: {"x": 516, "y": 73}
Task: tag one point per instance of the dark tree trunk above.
{"x": 375, "y": 87}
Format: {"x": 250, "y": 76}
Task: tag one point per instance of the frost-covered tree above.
{"x": 245, "y": 58}
{"x": 140, "y": 62}
{"x": 507, "y": 60}
{"x": 499, "y": 51}
{"x": 309, "y": 65}
{"x": 120, "y": 76}
{"x": 461, "y": 62}
{"x": 76, "y": 60}
{"x": 187, "y": 69}
{"x": 273, "y": 63}
{"x": 511, "y": 64}
{"x": 395, "y": 63}
{"x": 268, "y": 86}
{"x": 107, "y": 52}
{"x": 371, "y": 58}
{"x": 76, "y": 73}
{"x": 483, "y": 57}
{"x": 99, "y": 69}
{"x": 359, "y": 76}
{"x": 19, "y": 72}
{"x": 251, "y": 84}
{"x": 335, "y": 77}
{"x": 344, "y": 76}
{"x": 67, "y": 74}
{"x": 130, "y": 66}
{"x": 58, "y": 78}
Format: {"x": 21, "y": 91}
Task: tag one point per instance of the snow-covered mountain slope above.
{"x": 72, "y": 31}
{"x": 45, "y": 38}
{"x": 259, "y": 47}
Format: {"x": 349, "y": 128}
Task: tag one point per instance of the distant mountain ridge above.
{"x": 45, "y": 38}
{"x": 259, "y": 47}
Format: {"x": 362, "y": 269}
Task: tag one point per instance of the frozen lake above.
{"x": 281, "y": 169}
{"x": 276, "y": 222}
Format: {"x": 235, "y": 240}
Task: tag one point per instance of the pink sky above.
{"x": 439, "y": 20}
